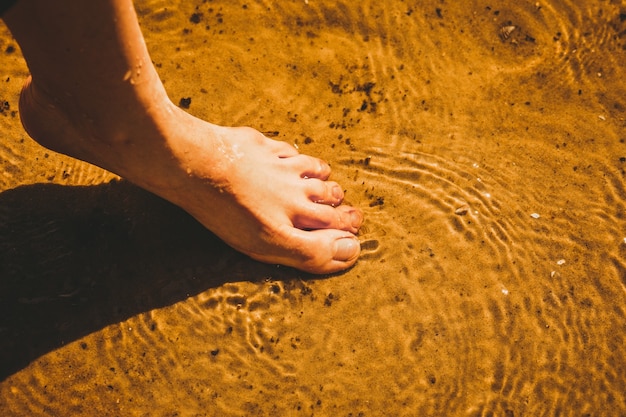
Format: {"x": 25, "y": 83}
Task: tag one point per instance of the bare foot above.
{"x": 259, "y": 195}
{"x": 95, "y": 95}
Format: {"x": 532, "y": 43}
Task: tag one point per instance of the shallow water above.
{"x": 491, "y": 167}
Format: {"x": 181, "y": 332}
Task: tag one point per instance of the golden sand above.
{"x": 485, "y": 142}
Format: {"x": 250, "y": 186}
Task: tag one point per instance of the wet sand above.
{"x": 486, "y": 143}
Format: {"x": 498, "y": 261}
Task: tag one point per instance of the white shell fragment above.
{"x": 462, "y": 210}
{"x": 560, "y": 262}
{"x": 535, "y": 215}
{"x": 505, "y": 31}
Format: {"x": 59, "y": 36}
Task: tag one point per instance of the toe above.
{"x": 324, "y": 251}
{"x": 352, "y": 217}
{"x": 284, "y": 150}
{"x": 346, "y": 249}
{"x": 320, "y": 216}
{"x": 324, "y": 192}
{"x": 309, "y": 166}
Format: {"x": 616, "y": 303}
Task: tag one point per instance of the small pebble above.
{"x": 560, "y": 262}
{"x": 535, "y": 216}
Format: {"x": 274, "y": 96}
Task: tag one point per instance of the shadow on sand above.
{"x": 75, "y": 259}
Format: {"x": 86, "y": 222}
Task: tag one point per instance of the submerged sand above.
{"x": 485, "y": 142}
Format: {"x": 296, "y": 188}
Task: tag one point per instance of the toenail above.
{"x": 356, "y": 218}
{"x": 337, "y": 192}
{"x": 346, "y": 248}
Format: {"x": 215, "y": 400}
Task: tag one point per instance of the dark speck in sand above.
{"x": 185, "y": 102}
{"x": 275, "y": 289}
{"x": 196, "y": 18}
{"x": 378, "y": 201}
{"x": 329, "y": 300}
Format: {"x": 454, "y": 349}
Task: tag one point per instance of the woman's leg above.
{"x": 95, "y": 95}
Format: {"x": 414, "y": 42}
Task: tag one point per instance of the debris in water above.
{"x": 505, "y": 31}
{"x": 462, "y": 211}
{"x": 535, "y": 215}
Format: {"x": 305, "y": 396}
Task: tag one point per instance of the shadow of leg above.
{"x": 75, "y": 259}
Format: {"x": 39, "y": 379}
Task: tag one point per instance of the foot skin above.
{"x": 259, "y": 195}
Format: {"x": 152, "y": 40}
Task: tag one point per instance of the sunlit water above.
{"x": 485, "y": 141}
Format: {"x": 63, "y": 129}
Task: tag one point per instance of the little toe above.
{"x": 309, "y": 166}
{"x": 284, "y": 149}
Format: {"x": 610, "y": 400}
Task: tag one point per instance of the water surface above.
{"x": 485, "y": 142}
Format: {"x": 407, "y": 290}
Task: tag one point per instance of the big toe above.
{"x": 346, "y": 249}
{"x": 325, "y": 251}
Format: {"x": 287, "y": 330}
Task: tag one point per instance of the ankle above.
{"x": 110, "y": 136}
